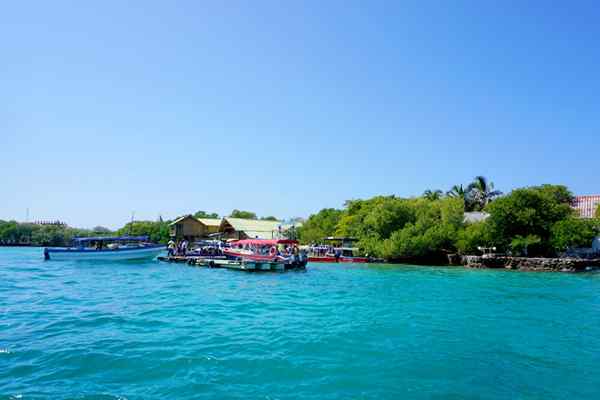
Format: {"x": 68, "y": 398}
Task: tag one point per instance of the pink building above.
{"x": 586, "y": 205}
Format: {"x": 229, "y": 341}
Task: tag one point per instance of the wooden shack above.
{"x": 190, "y": 228}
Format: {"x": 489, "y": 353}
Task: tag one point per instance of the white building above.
{"x": 586, "y": 205}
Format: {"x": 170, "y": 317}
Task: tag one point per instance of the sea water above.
{"x": 151, "y": 330}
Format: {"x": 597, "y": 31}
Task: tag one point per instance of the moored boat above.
{"x": 106, "y": 248}
{"x": 268, "y": 251}
{"x": 338, "y": 250}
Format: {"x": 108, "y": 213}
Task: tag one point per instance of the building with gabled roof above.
{"x": 192, "y": 228}
{"x": 239, "y": 228}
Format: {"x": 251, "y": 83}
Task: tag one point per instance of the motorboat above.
{"x": 267, "y": 251}
{"x": 338, "y": 250}
{"x": 106, "y": 248}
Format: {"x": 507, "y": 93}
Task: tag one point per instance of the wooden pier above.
{"x": 242, "y": 265}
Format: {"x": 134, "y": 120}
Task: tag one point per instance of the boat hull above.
{"x": 139, "y": 253}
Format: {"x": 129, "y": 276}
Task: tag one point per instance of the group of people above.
{"x": 182, "y": 248}
{"x": 284, "y": 251}
{"x": 177, "y": 249}
{"x": 209, "y": 251}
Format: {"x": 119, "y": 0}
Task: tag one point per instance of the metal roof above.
{"x": 241, "y": 224}
{"x": 210, "y": 221}
{"x": 203, "y": 221}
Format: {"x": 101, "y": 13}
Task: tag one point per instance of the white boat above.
{"x": 106, "y": 249}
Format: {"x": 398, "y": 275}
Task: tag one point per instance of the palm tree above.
{"x": 433, "y": 194}
{"x": 480, "y": 192}
{"x": 456, "y": 191}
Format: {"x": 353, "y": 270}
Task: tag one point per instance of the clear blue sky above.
{"x": 284, "y": 108}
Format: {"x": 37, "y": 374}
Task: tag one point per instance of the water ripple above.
{"x": 153, "y": 331}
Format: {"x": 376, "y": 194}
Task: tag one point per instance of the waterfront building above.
{"x": 586, "y": 205}
{"x": 191, "y": 228}
{"x": 50, "y": 223}
{"x": 472, "y": 217}
{"x": 211, "y": 225}
{"x": 239, "y": 228}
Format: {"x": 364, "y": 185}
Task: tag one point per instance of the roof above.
{"x": 253, "y": 228}
{"x": 241, "y": 224}
{"x": 210, "y": 221}
{"x": 203, "y": 221}
{"x": 475, "y": 216}
{"x": 183, "y": 218}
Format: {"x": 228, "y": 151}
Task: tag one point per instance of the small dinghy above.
{"x": 106, "y": 248}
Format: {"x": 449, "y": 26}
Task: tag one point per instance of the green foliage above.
{"x": 377, "y": 217}
{"x": 597, "y": 213}
{"x": 574, "y": 232}
{"x": 269, "y": 218}
{"x": 433, "y": 194}
{"x": 291, "y": 233}
{"x": 392, "y": 227}
{"x": 12, "y": 232}
{"x": 157, "y": 230}
{"x": 474, "y": 236}
{"x": 101, "y": 230}
{"x": 520, "y": 245}
{"x": 457, "y": 191}
{"x": 204, "y": 214}
{"x": 480, "y": 193}
{"x": 529, "y": 211}
{"x": 476, "y": 195}
{"x": 433, "y": 232}
{"x": 243, "y": 214}
{"x": 319, "y": 225}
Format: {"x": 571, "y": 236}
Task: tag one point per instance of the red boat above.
{"x": 340, "y": 250}
{"x": 274, "y": 250}
{"x": 328, "y": 259}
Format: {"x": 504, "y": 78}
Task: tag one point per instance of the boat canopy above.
{"x": 111, "y": 239}
{"x": 264, "y": 242}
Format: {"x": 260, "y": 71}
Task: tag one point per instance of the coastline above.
{"x": 529, "y": 264}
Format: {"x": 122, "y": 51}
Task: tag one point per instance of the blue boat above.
{"x": 106, "y": 248}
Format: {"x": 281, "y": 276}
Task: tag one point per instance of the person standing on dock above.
{"x": 184, "y": 246}
{"x": 171, "y": 248}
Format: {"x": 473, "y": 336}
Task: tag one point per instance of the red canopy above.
{"x": 264, "y": 242}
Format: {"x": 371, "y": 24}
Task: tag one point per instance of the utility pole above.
{"x": 131, "y": 224}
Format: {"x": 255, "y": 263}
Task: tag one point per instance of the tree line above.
{"x": 60, "y": 235}
{"x": 537, "y": 220}
{"x": 534, "y": 221}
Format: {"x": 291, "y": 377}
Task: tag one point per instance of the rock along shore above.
{"x": 526, "y": 263}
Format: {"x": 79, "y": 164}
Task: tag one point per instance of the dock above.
{"x": 241, "y": 265}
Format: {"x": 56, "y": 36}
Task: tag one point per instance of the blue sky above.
{"x": 284, "y": 108}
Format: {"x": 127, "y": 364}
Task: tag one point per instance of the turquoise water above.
{"x": 157, "y": 331}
